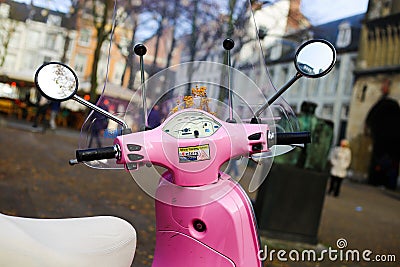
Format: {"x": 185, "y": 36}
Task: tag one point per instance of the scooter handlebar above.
{"x": 90, "y": 154}
{"x": 293, "y": 138}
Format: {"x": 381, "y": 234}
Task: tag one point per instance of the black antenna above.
{"x": 228, "y": 44}
{"x": 141, "y": 50}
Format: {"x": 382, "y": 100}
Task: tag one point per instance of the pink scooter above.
{"x": 203, "y": 216}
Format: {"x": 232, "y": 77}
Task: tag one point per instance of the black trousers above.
{"x": 334, "y": 186}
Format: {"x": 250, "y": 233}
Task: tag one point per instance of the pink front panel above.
{"x": 186, "y": 251}
{"x": 230, "y": 227}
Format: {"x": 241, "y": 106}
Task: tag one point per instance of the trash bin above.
{"x": 289, "y": 203}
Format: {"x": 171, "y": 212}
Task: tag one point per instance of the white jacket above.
{"x": 340, "y": 159}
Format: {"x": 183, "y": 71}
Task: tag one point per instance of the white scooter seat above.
{"x": 90, "y": 241}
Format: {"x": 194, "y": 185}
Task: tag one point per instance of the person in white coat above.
{"x": 340, "y": 159}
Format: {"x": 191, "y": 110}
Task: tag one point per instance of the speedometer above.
{"x": 191, "y": 124}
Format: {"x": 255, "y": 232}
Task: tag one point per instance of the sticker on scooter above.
{"x": 194, "y": 153}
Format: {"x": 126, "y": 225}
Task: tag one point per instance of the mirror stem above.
{"x": 101, "y": 111}
{"x": 230, "y": 97}
{"x": 228, "y": 44}
{"x": 141, "y": 50}
{"x": 142, "y": 79}
{"x": 277, "y": 94}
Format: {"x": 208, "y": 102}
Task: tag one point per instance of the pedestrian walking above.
{"x": 99, "y": 124}
{"x": 54, "y": 108}
{"x": 340, "y": 159}
{"x": 41, "y": 111}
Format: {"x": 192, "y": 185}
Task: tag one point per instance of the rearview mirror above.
{"x": 56, "y": 81}
{"x": 315, "y": 58}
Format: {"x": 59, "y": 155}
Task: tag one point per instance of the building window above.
{"x": 54, "y": 20}
{"x": 386, "y": 8}
{"x": 102, "y": 69}
{"x": 80, "y": 63}
{"x": 32, "y": 61}
{"x": 51, "y": 41}
{"x": 10, "y": 61}
{"x": 118, "y": 70}
{"x": 15, "y": 40}
{"x": 124, "y": 46}
{"x": 46, "y": 59}
{"x": 350, "y": 78}
{"x": 33, "y": 40}
{"x": 302, "y": 86}
{"x": 312, "y": 87}
{"x": 295, "y": 89}
{"x": 327, "y": 111}
{"x": 332, "y": 81}
{"x": 275, "y": 52}
{"x": 344, "y": 112}
{"x": 4, "y": 10}
{"x": 344, "y": 35}
{"x": 84, "y": 37}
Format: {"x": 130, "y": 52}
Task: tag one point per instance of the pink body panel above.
{"x": 230, "y": 238}
{"x": 185, "y": 251}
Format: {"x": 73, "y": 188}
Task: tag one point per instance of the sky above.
{"x": 317, "y": 11}
{"x": 323, "y": 11}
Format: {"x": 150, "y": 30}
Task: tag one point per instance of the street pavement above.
{"x": 37, "y": 181}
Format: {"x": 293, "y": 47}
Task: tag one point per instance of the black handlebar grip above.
{"x": 90, "y": 154}
{"x": 293, "y": 138}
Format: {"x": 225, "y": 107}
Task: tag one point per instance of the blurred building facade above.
{"x": 377, "y": 63}
{"x": 331, "y": 93}
{"x": 30, "y": 36}
{"x": 36, "y": 35}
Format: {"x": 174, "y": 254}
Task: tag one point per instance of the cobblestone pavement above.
{"x": 36, "y": 181}
{"x": 367, "y": 218}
